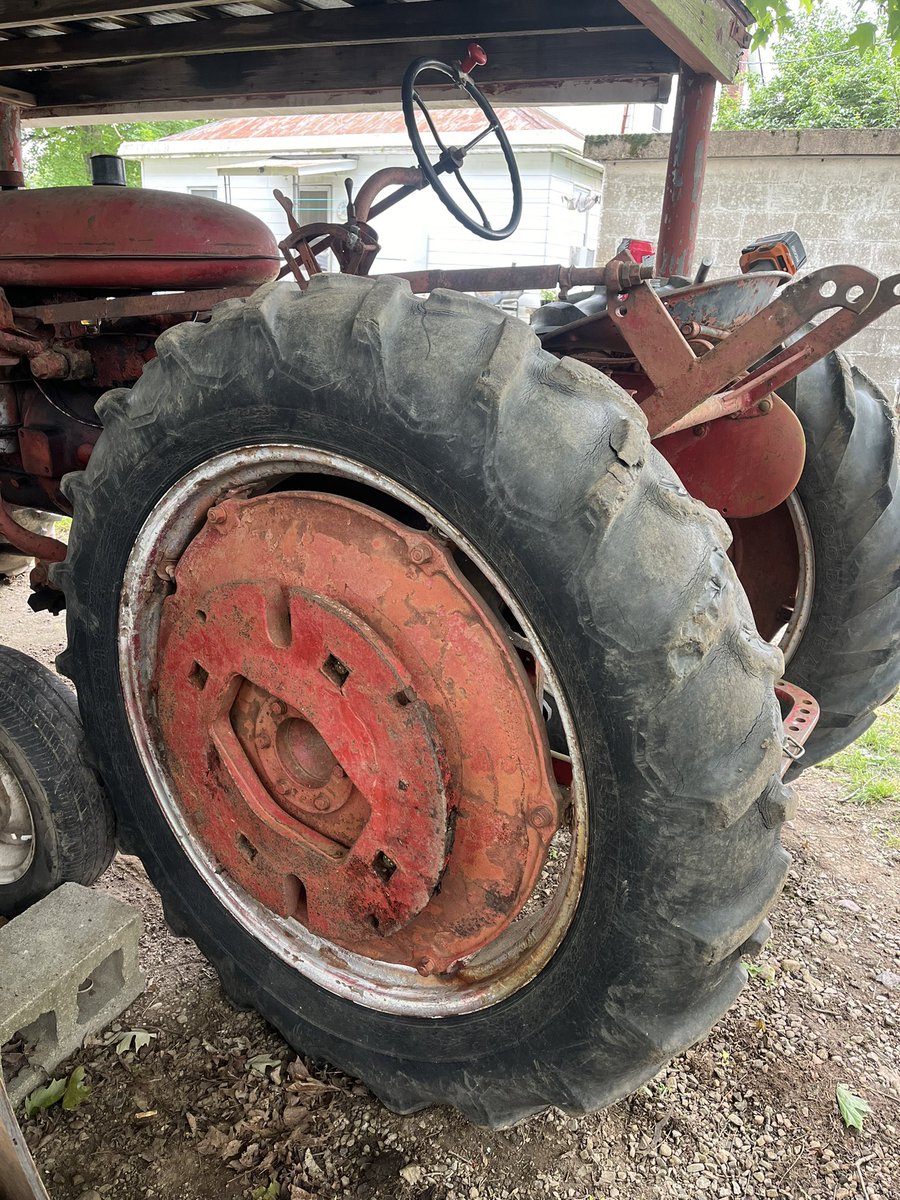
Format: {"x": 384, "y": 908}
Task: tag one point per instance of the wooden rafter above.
{"x": 323, "y": 28}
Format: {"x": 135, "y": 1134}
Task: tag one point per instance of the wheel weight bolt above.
{"x": 540, "y": 817}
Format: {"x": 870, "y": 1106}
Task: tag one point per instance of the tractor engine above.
{"x": 89, "y": 278}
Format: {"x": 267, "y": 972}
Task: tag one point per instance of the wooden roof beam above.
{"x": 708, "y": 35}
{"x": 370, "y": 76}
{"x": 15, "y": 14}
{"x": 326, "y": 27}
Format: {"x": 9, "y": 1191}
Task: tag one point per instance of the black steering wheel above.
{"x": 451, "y": 159}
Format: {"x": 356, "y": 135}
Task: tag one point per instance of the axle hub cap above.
{"x": 349, "y": 730}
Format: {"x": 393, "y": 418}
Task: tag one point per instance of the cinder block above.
{"x": 68, "y": 966}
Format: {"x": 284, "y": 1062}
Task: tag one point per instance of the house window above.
{"x": 311, "y": 204}
{"x": 657, "y": 118}
{"x": 209, "y": 193}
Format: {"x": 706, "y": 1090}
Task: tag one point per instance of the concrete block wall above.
{"x": 839, "y": 188}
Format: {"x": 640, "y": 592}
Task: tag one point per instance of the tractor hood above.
{"x": 123, "y": 238}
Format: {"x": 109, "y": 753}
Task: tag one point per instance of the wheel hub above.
{"x": 349, "y": 730}
{"x": 17, "y": 834}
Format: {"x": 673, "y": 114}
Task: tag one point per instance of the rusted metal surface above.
{"x": 35, "y": 545}
{"x": 688, "y": 147}
{"x": 767, "y": 558}
{"x": 504, "y": 279}
{"x": 722, "y": 304}
{"x": 410, "y": 179}
{"x": 678, "y": 390}
{"x": 740, "y": 467}
{"x": 800, "y": 720}
{"x": 101, "y": 309}
{"x": 113, "y": 237}
{"x": 349, "y": 730}
{"x": 11, "y": 175}
{"x": 19, "y": 1178}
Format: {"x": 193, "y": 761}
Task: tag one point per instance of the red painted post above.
{"x": 684, "y": 176}
{"x": 11, "y": 175}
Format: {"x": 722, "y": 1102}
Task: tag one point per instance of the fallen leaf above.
{"x": 311, "y": 1167}
{"x": 146, "y": 1114}
{"x": 45, "y": 1097}
{"x": 853, "y": 1108}
{"x": 133, "y": 1039}
{"x": 76, "y": 1090}
{"x": 260, "y": 1063}
{"x": 295, "y": 1115}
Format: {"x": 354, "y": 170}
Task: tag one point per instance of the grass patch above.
{"x": 871, "y": 766}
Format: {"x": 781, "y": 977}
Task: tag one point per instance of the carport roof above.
{"x": 65, "y": 61}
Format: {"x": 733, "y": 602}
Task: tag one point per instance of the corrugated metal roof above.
{"x": 461, "y": 120}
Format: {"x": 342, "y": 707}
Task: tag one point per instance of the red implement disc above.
{"x": 350, "y": 731}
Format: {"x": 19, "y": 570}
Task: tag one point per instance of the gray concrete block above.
{"x": 68, "y": 966}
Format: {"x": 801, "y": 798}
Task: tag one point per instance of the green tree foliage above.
{"x": 61, "y": 157}
{"x": 778, "y": 17}
{"x": 822, "y": 80}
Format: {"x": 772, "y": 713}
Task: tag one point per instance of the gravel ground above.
{"x": 216, "y": 1107}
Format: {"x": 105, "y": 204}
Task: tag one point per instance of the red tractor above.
{"x": 443, "y": 672}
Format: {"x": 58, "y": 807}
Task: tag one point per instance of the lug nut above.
{"x": 322, "y": 803}
{"x": 420, "y": 553}
{"x": 216, "y": 516}
{"x": 540, "y": 817}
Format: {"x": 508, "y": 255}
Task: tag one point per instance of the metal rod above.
{"x": 11, "y": 174}
{"x": 688, "y": 150}
{"x": 503, "y": 279}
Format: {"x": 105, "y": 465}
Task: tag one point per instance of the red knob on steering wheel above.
{"x": 451, "y": 157}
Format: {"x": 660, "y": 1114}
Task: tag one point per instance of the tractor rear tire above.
{"x": 546, "y": 468}
{"x": 848, "y": 656}
{"x": 47, "y": 787}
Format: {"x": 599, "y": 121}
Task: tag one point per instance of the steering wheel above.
{"x": 451, "y": 159}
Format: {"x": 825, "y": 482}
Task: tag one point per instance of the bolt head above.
{"x": 264, "y": 741}
{"x": 322, "y": 803}
{"x": 216, "y": 515}
{"x": 281, "y": 787}
{"x": 338, "y": 772}
{"x": 541, "y": 817}
{"x": 425, "y": 966}
{"x": 277, "y": 708}
{"x": 420, "y": 553}
{"x": 765, "y": 406}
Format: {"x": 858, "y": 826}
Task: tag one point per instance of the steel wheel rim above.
{"x": 790, "y": 638}
{"x": 16, "y": 827}
{"x": 525, "y": 948}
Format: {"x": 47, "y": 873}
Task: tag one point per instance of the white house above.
{"x": 308, "y": 157}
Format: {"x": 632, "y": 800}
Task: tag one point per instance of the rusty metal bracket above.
{"x": 94, "y": 312}
{"x": 682, "y": 383}
{"x": 812, "y": 347}
{"x": 35, "y": 545}
{"x": 798, "y": 724}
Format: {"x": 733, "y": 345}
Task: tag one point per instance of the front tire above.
{"x": 542, "y": 467}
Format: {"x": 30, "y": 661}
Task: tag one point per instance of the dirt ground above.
{"x": 216, "y": 1107}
